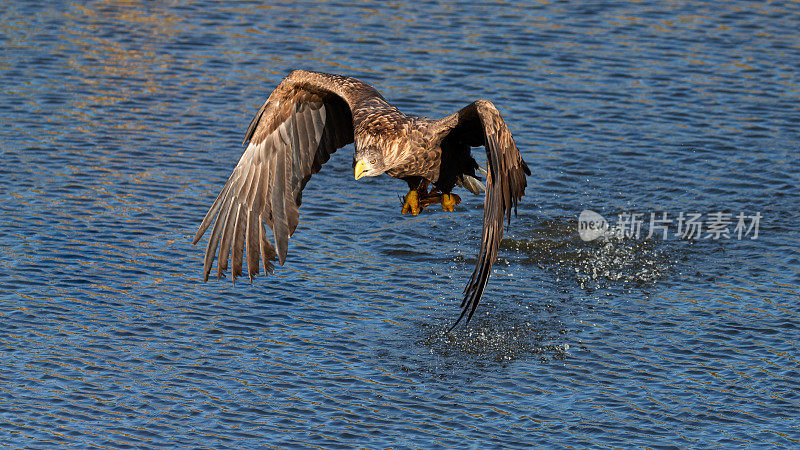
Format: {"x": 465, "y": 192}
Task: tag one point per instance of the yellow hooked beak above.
{"x": 361, "y": 167}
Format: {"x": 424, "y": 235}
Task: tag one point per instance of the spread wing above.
{"x": 305, "y": 119}
{"x": 480, "y": 124}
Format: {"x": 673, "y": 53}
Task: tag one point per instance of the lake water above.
{"x": 122, "y": 120}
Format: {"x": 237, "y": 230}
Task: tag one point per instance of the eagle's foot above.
{"x": 449, "y": 202}
{"x": 415, "y": 201}
{"x": 411, "y": 203}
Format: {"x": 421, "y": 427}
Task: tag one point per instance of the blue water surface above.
{"x": 121, "y": 121}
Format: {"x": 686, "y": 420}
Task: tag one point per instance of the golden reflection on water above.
{"x": 109, "y": 72}
{"x": 113, "y": 186}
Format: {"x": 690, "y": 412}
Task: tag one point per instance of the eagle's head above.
{"x": 368, "y": 162}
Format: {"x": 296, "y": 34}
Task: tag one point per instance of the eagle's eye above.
{"x": 372, "y": 161}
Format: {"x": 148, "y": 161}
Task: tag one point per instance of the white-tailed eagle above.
{"x": 308, "y": 117}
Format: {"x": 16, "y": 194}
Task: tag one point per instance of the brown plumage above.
{"x": 308, "y": 117}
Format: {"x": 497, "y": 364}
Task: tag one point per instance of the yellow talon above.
{"x": 449, "y": 202}
{"x": 411, "y": 203}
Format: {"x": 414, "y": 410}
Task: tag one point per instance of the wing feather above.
{"x": 267, "y": 250}
{"x": 213, "y": 242}
{"x": 237, "y": 245}
{"x": 253, "y": 244}
{"x": 305, "y": 119}
{"x": 481, "y": 124}
{"x": 226, "y": 238}
{"x": 279, "y": 225}
{"x": 212, "y": 212}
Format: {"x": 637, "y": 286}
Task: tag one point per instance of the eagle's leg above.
{"x": 418, "y": 189}
{"x": 418, "y": 197}
{"x": 411, "y": 203}
{"x": 449, "y": 202}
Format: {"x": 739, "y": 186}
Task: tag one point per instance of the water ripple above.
{"x": 123, "y": 119}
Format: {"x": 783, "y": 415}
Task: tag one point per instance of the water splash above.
{"x": 555, "y": 247}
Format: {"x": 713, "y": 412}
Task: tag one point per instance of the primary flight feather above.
{"x": 308, "y": 117}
